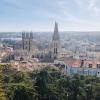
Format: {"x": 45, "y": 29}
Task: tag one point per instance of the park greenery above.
{"x": 48, "y": 84}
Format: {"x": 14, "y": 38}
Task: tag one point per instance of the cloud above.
{"x": 90, "y": 6}
{"x": 11, "y": 4}
{"x": 76, "y": 14}
{"x": 80, "y": 14}
{"x": 68, "y": 14}
{"x": 93, "y": 6}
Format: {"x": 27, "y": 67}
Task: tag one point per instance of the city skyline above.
{"x": 34, "y": 15}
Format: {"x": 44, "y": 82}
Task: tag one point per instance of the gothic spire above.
{"x": 56, "y": 33}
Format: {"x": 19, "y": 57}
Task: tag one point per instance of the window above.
{"x": 56, "y": 51}
{"x": 90, "y": 66}
{"x": 98, "y": 65}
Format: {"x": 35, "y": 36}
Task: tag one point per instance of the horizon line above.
{"x": 44, "y": 31}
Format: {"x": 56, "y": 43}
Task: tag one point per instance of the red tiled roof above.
{"x": 73, "y": 63}
{"x": 77, "y": 63}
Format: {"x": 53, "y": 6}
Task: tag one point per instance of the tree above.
{"x": 41, "y": 85}
{"x": 74, "y": 88}
{"x": 18, "y": 77}
{"x": 22, "y": 93}
{"x": 6, "y": 79}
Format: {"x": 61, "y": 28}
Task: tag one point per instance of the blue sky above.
{"x": 40, "y": 15}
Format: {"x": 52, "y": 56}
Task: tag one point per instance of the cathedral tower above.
{"x": 27, "y": 39}
{"x": 55, "y": 42}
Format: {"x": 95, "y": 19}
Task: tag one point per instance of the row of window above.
{"x": 91, "y": 65}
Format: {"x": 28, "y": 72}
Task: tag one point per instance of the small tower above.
{"x": 30, "y": 41}
{"x": 27, "y": 46}
{"x": 27, "y": 39}
{"x": 55, "y": 42}
{"x": 23, "y": 38}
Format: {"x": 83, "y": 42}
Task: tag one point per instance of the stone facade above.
{"x": 24, "y": 48}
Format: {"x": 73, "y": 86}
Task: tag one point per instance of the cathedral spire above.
{"x": 56, "y": 33}
{"x": 55, "y": 42}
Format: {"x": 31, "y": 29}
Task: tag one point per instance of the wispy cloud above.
{"x": 93, "y": 7}
{"x": 68, "y": 15}
{"x": 11, "y": 4}
{"x": 76, "y": 14}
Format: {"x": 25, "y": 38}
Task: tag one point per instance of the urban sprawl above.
{"x": 69, "y": 52}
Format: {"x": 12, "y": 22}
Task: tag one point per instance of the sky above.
{"x": 40, "y": 15}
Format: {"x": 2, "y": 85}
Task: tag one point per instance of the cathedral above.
{"x": 24, "y": 48}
